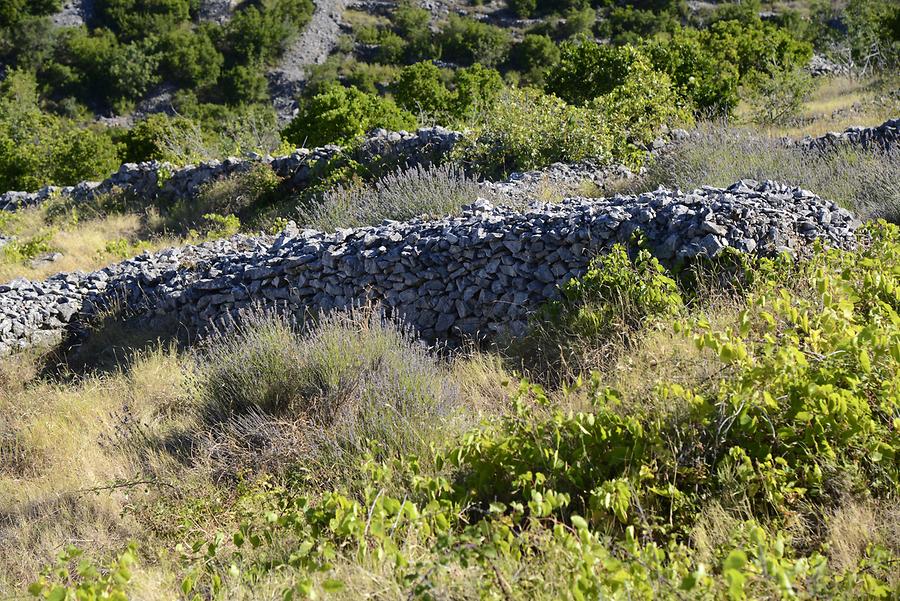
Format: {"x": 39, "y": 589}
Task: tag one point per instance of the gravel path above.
{"x": 312, "y": 47}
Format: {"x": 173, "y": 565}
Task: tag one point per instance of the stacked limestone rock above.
{"x": 885, "y": 136}
{"x": 479, "y": 274}
{"x": 161, "y": 181}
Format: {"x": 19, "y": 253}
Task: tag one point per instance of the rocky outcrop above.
{"x": 160, "y": 181}
{"x": 479, "y": 274}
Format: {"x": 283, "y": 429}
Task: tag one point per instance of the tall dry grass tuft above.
{"x": 404, "y": 194}
{"x": 350, "y": 383}
{"x": 862, "y": 180}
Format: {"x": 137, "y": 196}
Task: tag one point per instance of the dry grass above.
{"x": 84, "y": 246}
{"x": 74, "y": 449}
{"x": 841, "y": 102}
{"x": 861, "y": 180}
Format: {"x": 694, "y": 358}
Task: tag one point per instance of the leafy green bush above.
{"x": 38, "y": 149}
{"x": 534, "y": 56}
{"x": 421, "y": 89}
{"x": 190, "y": 58}
{"x": 527, "y": 129}
{"x": 617, "y": 295}
{"x": 466, "y": 41}
{"x": 776, "y": 98}
{"x": 89, "y": 582}
{"x": 587, "y": 70}
{"x": 643, "y": 102}
{"x": 338, "y": 115}
{"x": 522, "y": 8}
{"x": 138, "y": 19}
{"x": 259, "y": 34}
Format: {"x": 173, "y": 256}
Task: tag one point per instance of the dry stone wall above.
{"x": 161, "y": 181}
{"x": 479, "y": 274}
{"x": 155, "y": 180}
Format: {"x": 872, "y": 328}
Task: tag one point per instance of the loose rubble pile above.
{"x": 155, "y": 180}
{"x": 478, "y": 274}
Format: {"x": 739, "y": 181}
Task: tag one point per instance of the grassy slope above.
{"x": 136, "y": 448}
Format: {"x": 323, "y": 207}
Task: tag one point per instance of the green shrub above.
{"x": 466, "y": 41}
{"x": 413, "y": 24}
{"x": 89, "y": 582}
{"x": 522, "y": 8}
{"x": 190, "y": 58}
{"x": 153, "y": 137}
{"x": 38, "y": 149}
{"x": 617, "y": 295}
{"x": 526, "y": 129}
{"x": 420, "y": 89}
{"x": 139, "y": 19}
{"x": 587, "y": 70}
{"x": 245, "y": 84}
{"x": 339, "y": 115}
{"x": 475, "y": 89}
{"x": 641, "y": 104}
{"x": 777, "y": 98}
{"x": 534, "y": 56}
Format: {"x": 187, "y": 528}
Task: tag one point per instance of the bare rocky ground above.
{"x": 311, "y": 47}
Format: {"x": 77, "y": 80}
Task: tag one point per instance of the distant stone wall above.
{"x": 885, "y": 136}
{"x": 161, "y": 181}
{"x": 480, "y": 274}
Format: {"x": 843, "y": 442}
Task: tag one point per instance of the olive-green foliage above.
{"x": 776, "y": 98}
{"x": 642, "y": 102}
{"x": 12, "y": 12}
{"x": 89, "y": 582}
{"x": 138, "y": 19}
{"x": 522, "y": 8}
{"x": 629, "y": 25}
{"x": 527, "y": 129}
{"x": 611, "y": 501}
{"x": 587, "y": 70}
{"x": 37, "y": 148}
{"x": 618, "y": 294}
{"x": 95, "y": 66}
{"x": 152, "y": 138}
{"x": 338, "y": 115}
{"x": 245, "y": 84}
{"x": 258, "y": 34}
{"x": 190, "y": 58}
{"x": 421, "y": 89}
{"x": 534, "y": 56}
{"x": 412, "y": 24}
{"x": 466, "y": 41}
{"x": 709, "y": 65}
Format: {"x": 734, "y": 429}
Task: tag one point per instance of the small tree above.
{"x": 776, "y": 98}
{"x": 338, "y": 115}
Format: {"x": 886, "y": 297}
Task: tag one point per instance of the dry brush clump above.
{"x": 326, "y": 392}
{"x": 435, "y": 191}
{"x": 863, "y": 180}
